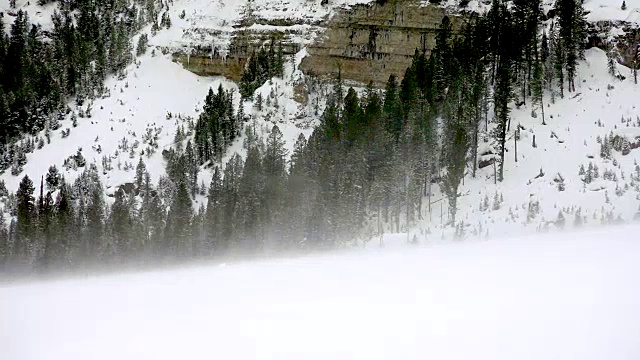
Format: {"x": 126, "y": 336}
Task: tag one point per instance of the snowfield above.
{"x": 564, "y": 296}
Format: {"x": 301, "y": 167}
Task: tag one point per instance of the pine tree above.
{"x": 3, "y": 189}
{"x": 352, "y": 117}
{"x": 611, "y": 61}
{"x": 143, "y": 42}
{"x": 25, "y": 205}
{"x": 300, "y": 191}
{"x": 502, "y": 96}
{"x": 178, "y": 228}
{"x": 152, "y": 215}
{"x": 392, "y": 109}
{"x": 120, "y": 223}
{"x": 229, "y": 202}
{"x": 192, "y": 169}
{"x": 442, "y": 53}
{"x": 250, "y": 190}
{"x": 89, "y": 190}
{"x": 538, "y": 86}
{"x": 274, "y": 170}
{"x": 213, "y": 213}
{"x": 66, "y": 238}
{"x": 141, "y": 170}
{"x": 53, "y": 178}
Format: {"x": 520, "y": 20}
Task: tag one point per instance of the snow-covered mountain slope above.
{"x": 38, "y": 14}
{"x": 137, "y": 104}
{"x": 156, "y": 87}
{"x": 612, "y": 10}
{"x": 156, "y": 98}
{"x": 554, "y": 297}
{"x": 600, "y": 106}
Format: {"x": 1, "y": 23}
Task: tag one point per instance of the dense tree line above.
{"x": 261, "y": 66}
{"x": 217, "y": 125}
{"x": 41, "y": 70}
{"x": 370, "y": 166}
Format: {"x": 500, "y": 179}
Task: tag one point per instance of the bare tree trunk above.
{"x": 420, "y": 206}
{"x": 495, "y": 175}
{"x": 542, "y": 110}
{"x": 398, "y": 209}
{"x": 635, "y": 56}
{"x": 475, "y": 143}
{"x": 380, "y": 227}
{"x": 407, "y": 202}
{"x": 515, "y": 146}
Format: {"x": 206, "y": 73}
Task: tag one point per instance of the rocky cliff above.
{"x": 623, "y": 37}
{"x": 368, "y": 41}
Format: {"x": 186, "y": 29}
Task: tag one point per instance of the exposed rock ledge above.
{"x": 369, "y": 42}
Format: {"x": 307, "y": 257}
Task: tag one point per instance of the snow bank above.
{"x": 568, "y": 296}
{"x": 612, "y": 10}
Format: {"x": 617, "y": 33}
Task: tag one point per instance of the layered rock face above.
{"x": 370, "y": 42}
{"x": 622, "y": 35}
{"x": 367, "y": 41}
{"x": 208, "y": 61}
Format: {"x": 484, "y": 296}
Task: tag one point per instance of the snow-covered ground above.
{"x": 138, "y": 104}
{"x": 600, "y": 106}
{"x": 37, "y": 14}
{"x": 612, "y": 10}
{"x": 565, "y": 296}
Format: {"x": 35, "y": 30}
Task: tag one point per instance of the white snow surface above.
{"x": 40, "y": 15}
{"x": 612, "y": 10}
{"x": 566, "y": 296}
{"x": 568, "y": 140}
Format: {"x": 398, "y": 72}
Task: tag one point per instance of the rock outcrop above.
{"x": 622, "y": 35}
{"x": 368, "y": 41}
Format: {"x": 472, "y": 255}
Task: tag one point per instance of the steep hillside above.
{"x": 546, "y": 181}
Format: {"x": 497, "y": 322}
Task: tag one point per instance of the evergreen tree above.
{"x": 46, "y": 225}
{"x": 25, "y": 214}
{"x": 121, "y": 225}
{"x": 3, "y": 189}
{"x": 250, "y": 224}
{"x": 143, "y": 42}
{"x": 152, "y": 216}
{"x": 229, "y": 202}
{"x": 178, "y": 228}
{"x": 192, "y": 169}
{"x": 66, "y": 242}
{"x": 53, "y": 178}
{"x": 214, "y": 213}
{"x": 352, "y": 117}
{"x": 274, "y": 170}
{"x": 392, "y": 108}
{"x": 141, "y": 171}
{"x": 442, "y": 56}
{"x": 538, "y": 86}
{"x": 502, "y": 96}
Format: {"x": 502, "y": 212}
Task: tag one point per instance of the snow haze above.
{"x": 564, "y": 296}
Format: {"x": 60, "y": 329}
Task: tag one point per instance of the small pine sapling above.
{"x": 560, "y": 220}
